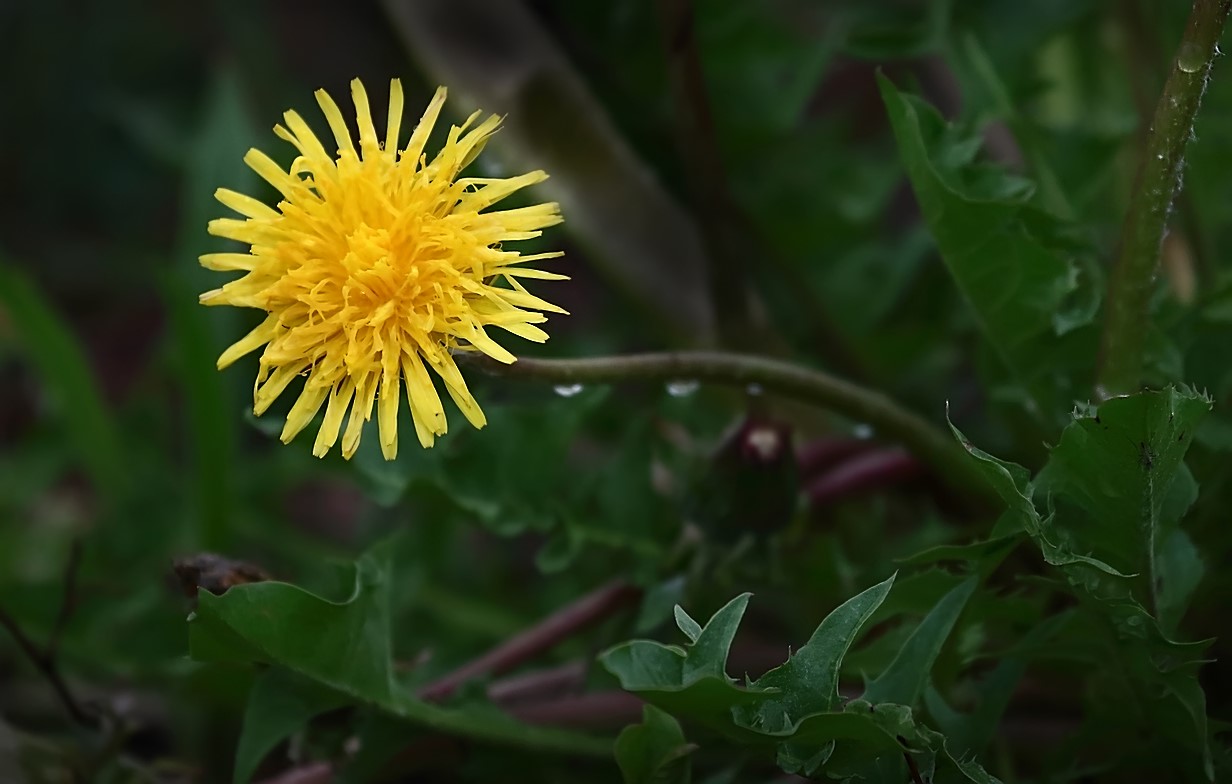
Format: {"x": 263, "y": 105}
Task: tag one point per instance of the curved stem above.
{"x": 891, "y": 421}
{"x": 1158, "y": 180}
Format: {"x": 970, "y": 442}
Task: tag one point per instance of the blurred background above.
{"x": 726, "y": 181}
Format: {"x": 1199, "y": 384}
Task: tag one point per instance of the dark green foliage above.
{"x": 924, "y": 198}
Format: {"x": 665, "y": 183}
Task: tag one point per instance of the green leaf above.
{"x": 1111, "y": 477}
{"x": 708, "y": 653}
{"x": 794, "y": 709}
{"x": 655, "y": 751}
{"x": 904, "y": 679}
{"x": 1117, "y": 487}
{"x": 1013, "y": 263}
{"x": 985, "y": 554}
{"x": 345, "y": 646}
{"x": 691, "y": 628}
{"x": 1013, "y": 483}
{"x": 687, "y": 681}
{"x": 808, "y": 681}
{"x": 57, "y": 354}
{"x": 279, "y": 704}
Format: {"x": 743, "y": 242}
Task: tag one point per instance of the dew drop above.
{"x": 1190, "y": 58}
{"x": 568, "y": 390}
{"x": 862, "y": 431}
{"x": 754, "y": 389}
{"x": 682, "y": 388}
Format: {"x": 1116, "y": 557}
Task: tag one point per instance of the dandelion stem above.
{"x": 933, "y": 446}
{"x": 1156, "y": 185}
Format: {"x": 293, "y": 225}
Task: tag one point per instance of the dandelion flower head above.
{"x": 376, "y": 266}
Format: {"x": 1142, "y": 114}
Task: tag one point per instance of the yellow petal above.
{"x": 426, "y": 408}
{"x": 342, "y": 134}
{"x": 387, "y": 409}
{"x": 244, "y": 205}
{"x": 265, "y": 395}
{"x": 339, "y": 399}
{"x": 261, "y": 335}
{"x": 308, "y": 143}
{"x": 228, "y": 262}
{"x": 305, "y": 408}
{"x": 394, "y": 122}
{"x": 361, "y": 411}
{"x": 363, "y": 117}
{"x": 419, "y": 137}
{"x": 495, "y": 190}
{"x": 456, "y": 386}
{"x": 272, "y": 173}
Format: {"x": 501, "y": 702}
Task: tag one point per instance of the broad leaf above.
{"x": 345, "y": 646}
{"x": 1014, "y": 264}
{"x": 1117, "y": 482}
{"x": 1116, "y": 488}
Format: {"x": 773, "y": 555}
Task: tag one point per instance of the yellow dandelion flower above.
{"x": 375, "y": 267}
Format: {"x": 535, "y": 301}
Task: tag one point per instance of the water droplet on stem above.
{"x": 568, "y": 390}
{"x": 1190, "y": 59}
{"x": 682, "y": 388}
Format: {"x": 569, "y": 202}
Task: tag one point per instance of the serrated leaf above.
{"x": 279, "y": 704}
{"x": 1013, "y": 483}
{"x": 1117, "y": 486}
{"x": 345, "y": 646}
{"x": 904, "y": 679}
{"x": 808, "y": 681}
{"x": 708, "y": 653}
{"x": 688, "y": 681}
{"x": 793, "y": 709}
{"x": 655, "y": 751}
{"x": 1111, "y": 476}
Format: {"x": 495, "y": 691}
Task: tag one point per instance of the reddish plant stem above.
{"x": 823, "y": 454}
{"x": 595, "y": 710}
{"x": 311, "y": 773}
{"x": 541, "y": 637}
{"x": 869, "y": 471}
{"x": 539, "y": 685}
